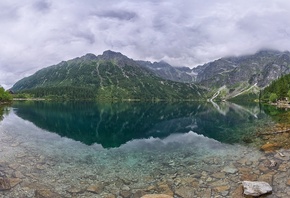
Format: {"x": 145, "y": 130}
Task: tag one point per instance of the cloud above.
{"x": 38, "y": 33}
{"x": 118, "y": 14}
{"x": 42, "y": 6}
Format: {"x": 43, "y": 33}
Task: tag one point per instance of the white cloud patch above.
{"x": 38, "y": 33}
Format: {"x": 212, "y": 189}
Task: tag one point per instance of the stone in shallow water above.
{"x": 269, "y": 147}
{"x": 238, "y": 192}
{"x": 221, "y": 189}
{"x": 220, "y": 175}
{"x": 283, "y": 167}
{"x": 96, "y": 188}
{"x": 4, "y": 184}
{"x": 256, "y": 188}
{"x": 185, "y": 192}
{"x": 207, "y": 193}
{"x": 156, "y": 196}
{"x": 18, "y": 174}
{"x": 165, "y": 189}
{"x": 109, "y": 196}
{"x": 15, "y": 144}
{"x": 138, "y": 193}
{"x": 283, "y": 157}
{"x": 14, "y": 181}
{"x": 46, "y": 193}
{"x": 126, "y": 193}
{"x": 230, "y": 169}
{"x": 75, "y": 190}
{"x": 267, "y": 178}
{"x": 14, "y": 166}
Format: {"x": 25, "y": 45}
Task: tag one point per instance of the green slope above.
{"x": 108, "y": 76}
{"x": 277, "y": 90}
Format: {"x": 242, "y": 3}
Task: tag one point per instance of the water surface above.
{"x": 114, "y": 124}
{"x": 126, "y": 146}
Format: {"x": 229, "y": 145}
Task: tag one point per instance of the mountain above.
{"x": 240, "y": 77}
{"x": 260, "y": 68}
{"x": 115, "y": 76}
{"x": 244, "y": 75}
{"x": 108, "y": 76}
{"x": 166, "y": 71}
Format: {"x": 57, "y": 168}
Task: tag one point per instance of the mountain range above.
{"x": 230, "y": 77}
{"x": 110, "y": 76}
{"x": 115, "y": 76}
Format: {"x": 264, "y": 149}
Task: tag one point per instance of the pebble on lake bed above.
{"x": 156, "y": 196}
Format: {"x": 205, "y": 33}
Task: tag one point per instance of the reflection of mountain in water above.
{"x": 114, "y": 124}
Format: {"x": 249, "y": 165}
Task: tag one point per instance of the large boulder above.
{"x": 256, "y": 188}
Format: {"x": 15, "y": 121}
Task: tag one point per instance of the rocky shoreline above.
{"x": 33, "y": 166}
{"x": 30, "y": 174}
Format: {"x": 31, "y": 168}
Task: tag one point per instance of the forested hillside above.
{"x": 5, "y": 96}
{"x": 277, "y": 90}
{"x": 110, "y": 76}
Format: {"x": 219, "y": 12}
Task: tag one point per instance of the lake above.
{"x": 86, "y": 149}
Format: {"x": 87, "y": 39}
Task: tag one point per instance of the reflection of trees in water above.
{"x": 279, "y": 115}
{"x": 3, "y": 111}
{"x": 113, "y": 124}
{"x": 109, "y": 124}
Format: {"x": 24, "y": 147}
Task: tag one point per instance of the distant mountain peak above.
{"x": 108, "y": 54}
{"x": 89, "y": 56}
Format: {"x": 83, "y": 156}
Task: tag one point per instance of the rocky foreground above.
{"x": 59, "y": 167}
{"x": 213, "y": 177}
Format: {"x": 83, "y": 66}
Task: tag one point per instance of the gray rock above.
{"x": 96, "y": 188}
{"x": 256, "y": 188}
{"x": 46, "y": 193}
{"x": 230, "y": 169}
{"x": 4, "y": 184}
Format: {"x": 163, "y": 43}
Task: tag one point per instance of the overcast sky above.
{"x": 39, "y": 33}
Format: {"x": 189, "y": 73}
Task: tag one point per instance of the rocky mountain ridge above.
{"x": 112, "y": 72}
{"x": 110, "y": 76}
{"x": 231, "y": 76}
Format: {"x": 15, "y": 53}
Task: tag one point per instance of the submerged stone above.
{"x": 18, "y": 174}
{"x": 219, "y": 175}
{"x": 46, "y": 193}
{"x": 269, "y": 147}
{"x": 14, "y": 181}
{"x": 75, "y": 190}
{"x": 221, "y": 189}
{"x": 109, "y": 196}
{"x": 96, "y": 188}
{"x": 126, "y": 193}
{"x": 4, "y": 184}
{"x": 256, "y": 188}
{"x": 185, "y": 192}
{"x": 238, "y": 192}
{"x": 230, "y": 169}
{"x": 165, "y": 189}
{"x": 156, "y": 196}
{"x": 267, "y": 177}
